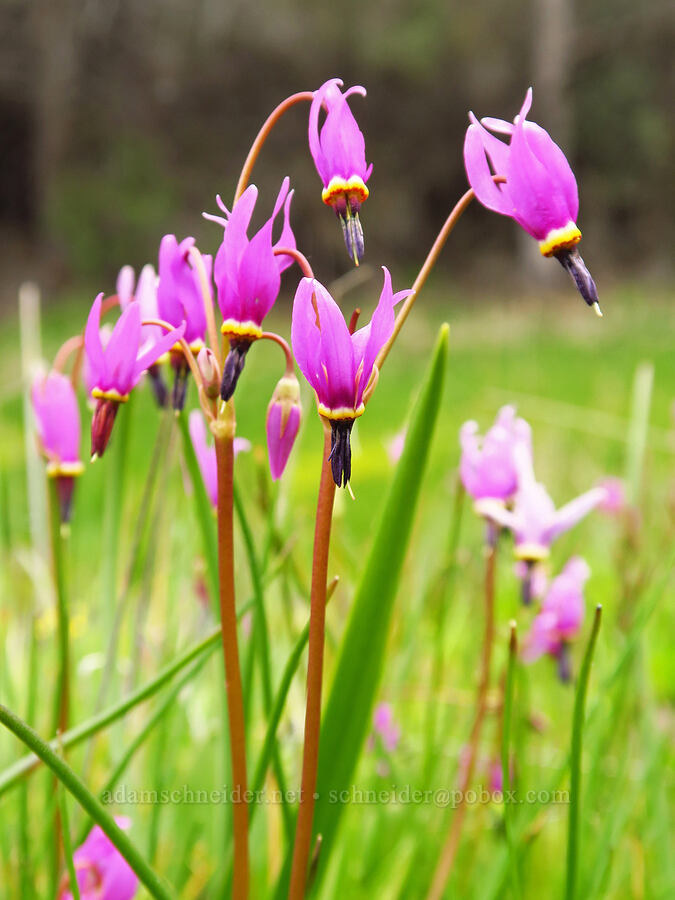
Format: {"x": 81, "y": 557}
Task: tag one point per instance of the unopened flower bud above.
{"x": 283, "y": 422}
{"x": 208, "y": 366}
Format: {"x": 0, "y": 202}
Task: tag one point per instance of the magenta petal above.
{"x": 342, "y": 141}
{"x": 122, "y": 349}
{"x": 555, "y": 162}
{"x": 125, "y": 286}
{"x": 57, "y": 416}
{"x": 337, "y": 355}
{"x": 159, "y": 349}
{"x": 574, "y": 511}
{"x": 280, "y": 441}
{"x": 479, "y": 174}
{"x": 259, "y": 278}
{"x": 305, "y": 336}
{"x": 313, "y": 131}
{"x": 286, "y": 238}
{"x": 92, "y": 343}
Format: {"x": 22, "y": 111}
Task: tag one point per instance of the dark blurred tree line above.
{"x": 121, "y": 119}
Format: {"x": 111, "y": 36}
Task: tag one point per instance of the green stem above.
{"x": 86, "y": 799}
{"x": 61, "y": 696}
{"x": 67, "y": 845}
{"x": 575, "y": 761}
{"x": 506, "y": 760}
{"x": 262, "y": 633}
{"x": 203, "y": 509}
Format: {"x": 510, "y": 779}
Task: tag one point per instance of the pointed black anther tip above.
{"x": 234, "y": 366}
{"x": 573, "y": 263}
{"x": 341, "y": 451}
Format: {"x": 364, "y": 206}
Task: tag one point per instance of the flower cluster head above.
{"x": 559, "y": 620}
{"x": 116, "y": 369}
{"x": 180, "y": 298}
{"x": 248, "y": 275}
{"x": 339, "y": 152}
{"x": 487, "y": 467}
{"x": 144, "y": 292}
{"x": 57, "y": 420}
{"x": 534, "y": 520}
{"x": 101, "y": 870}
{"x": 540, "y": 192}
{"x": 206, "y": 453}
{"x": 339, "y": 366}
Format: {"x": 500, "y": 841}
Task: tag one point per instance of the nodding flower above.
{"x": 116, "y": 369}
{"x": 339, "y": 153}
{"x": 339, "y": 366}
{"x": 102, "y": 872}
{"x": 248, "y": 275}
{"x": 144, "y": 292}
{"x": 540, "y": 192}
{"x": 206, "y": 453}
{"x": 534, "y": 520}
{"x": 57, "y": 420}
{"x": 487, "y": 466}
{"x": 180, "y": 299}
{"x": 560, "y": 618}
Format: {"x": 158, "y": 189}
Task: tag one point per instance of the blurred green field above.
{"x": 571, "y": 376}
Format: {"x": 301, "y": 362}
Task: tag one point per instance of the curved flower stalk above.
{"x": 144, "y": 292}
{"x": 540, "y": 192}
{"x": 180, "y": 299}
{"x": 102, "y": 872}
{"x": 116, "y": 369}
{"x": 339, "y": 366}
{"x": 560, "y": 618}
{"x": 339, "y": 152}
{"x": 534, "y": 520}
{"x": 206, "y": 453}
{"x": 487, "y": 466}
{"x": 248, "y": 275}
{"x": 57, "y": 420}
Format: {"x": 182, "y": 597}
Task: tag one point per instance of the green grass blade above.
{"x": 506, "y": 762}
{"x": 86, "y": 799}
{"x": 204, "y": 511}
{"x": 575, "y": 761}
{"x": 347, "y": 715}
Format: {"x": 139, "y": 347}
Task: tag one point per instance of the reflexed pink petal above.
{"x": 479, "y": 174}
{"x": 574, "y": 511}
{"x": 280, "y": 442}
{"x": 159, "y": 349}
{"x": 125, "y": 286}
{"x": 92, "y": 343}
{"x": 122, "y": 349}
{"x": 57, "y": 416}
{"x": 305, "y": 334}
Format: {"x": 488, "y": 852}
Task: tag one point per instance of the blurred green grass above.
{"x": 571, "y": 376}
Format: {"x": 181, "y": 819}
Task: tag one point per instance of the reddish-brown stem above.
{"x": 235, "y": 700}
{"x": 277, "y": 338}
{"x": 447, "y": 857}
{"x": 299, "y": 257}
{"x": 66, "y": 350}
{"x": 263, "y": 134}
{"x": 317, "y": 620}
{"x": 428, "y": 265}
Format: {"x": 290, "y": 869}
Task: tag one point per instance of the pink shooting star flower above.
{"x": 248, "y": 275}
{"x": 57, "y": 420}
{"x": 487, "y": 467}
{"x": 206, "y": 453}
{"x": 339, "y": 366}
{"x": 101, "y": 870}
{"x": 534, "y": 520}
{"x": 283, "y": 423}
{"x": 180, "y": 299}
{"x": 540, "y": 192}
{"x": 117, "y": 369}
{"x": 339, "y": 153}
{"x": 561, "y": 615}
{"x": 144, "y": 292}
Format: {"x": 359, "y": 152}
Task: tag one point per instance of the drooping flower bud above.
{"x": 208, "y": 367}
{"x": 283, "y": 422}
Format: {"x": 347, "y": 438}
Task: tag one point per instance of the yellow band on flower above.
{"x": 531, "y": 552}
{"x": 99, "y": 394}
{"x": 64, "y": 469}
{"x": 341, "y": 412}
{"x": 560, "y": 239}
{"x": 337, "y": 187}
{"x": 231, "y": 328}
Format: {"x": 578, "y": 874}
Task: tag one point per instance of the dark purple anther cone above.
{"x": 572, "y": 262}
{"x": 102, "y": 425}
{"x": 159, "y": 388}
{"x": 341, "y": 451}
{"x": 234, "y": 366}
{"x": 352, "y": 230}
{"x": 65, "y": 485}
{"x": 526, "y": 590}
{"x": 564, "y": 663}
{"x": 179, "y": 388}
